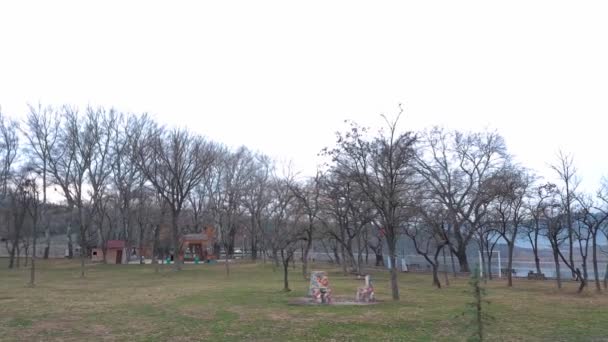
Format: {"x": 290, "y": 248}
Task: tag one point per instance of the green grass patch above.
{"x": 134, "y": 303}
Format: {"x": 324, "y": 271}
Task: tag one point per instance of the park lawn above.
{"x": 133, "y": 303}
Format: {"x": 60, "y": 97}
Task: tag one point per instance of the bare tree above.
{"x": 309, "y": 197}
{"x": 42, "y": 132}
{"x": 553, "y": 228}
{"x": 69, "y": 162}
{"x": 428, "y": 234}
{"x": 382, "y": 166}
{"x": 488, "y": 237}
{"x": 9, "y": 147}
{"x": 256, "y": 199}
{"x": 457, "y": 167}
{"x": 127, "y": 137}
{"x": 565, "y": 169}
{"x": 346, "y": 215}
{"x": 101, "y": 125}
{"x": 227, "y": 188}
{"x": 174, "y": 162}
{"x": 375, "y": 242}
{"x": 557, "y": 232}
{"x": 146, "y": 214}
{"x": 512, "y": 186}
{"x": 32, "y": 201}
{"x": 590, "y": 217}
{"x": 285, "y": 229}
{"x": 533, "y": 227}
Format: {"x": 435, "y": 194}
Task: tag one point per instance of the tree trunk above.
{"x": 11, "y": 262}
{"x": 33, "y": 266}
{"x": 461, "y": 255}
{"x": 379, "y": 259}
{"x": 482, "y": 266}
{"x": 285, "y": 272}
{"x": 557, "y": 269}
{"x": 82, "y": 256}
{"x": 18, "y": 256}
{"x": 351, "y": 256}
{"x": 511, "y": 246}
{"x": 445, "y": 268}
{"x": 344, "y": 262}
{"x": 359, "y": 255}
{"x": 47, "y": 227}
{"x": 47, "y": 237}
{"x": 227, "y": 266}
{"x": 81, "y": 222}
{"x": 596, "y": 275}
{"x": 535, "y": 251}
{"x": 606, "y": 277}
{"x": 254, "y": 249}
{"x": 33, "y": 261}
{"x": 176, "y": 245}
{"x": 582, "y": 279}
{"x": 69, "y": 235}
{"x": 27, "y": 254}
{"x": 275, "y": 258}
{"x": 305, "y": 256}
{"x": 70, "y": 248}
{"x": 570, "y": 239}
{"x": 392, "y": 250}
{"x": 336, "y": 255}
{"x": 155, "y": 247}
{"x": 140, "y": 252}
{"x": 126, "y": 231}
{"x": 489, "y": 271}
{"x": 453, "y": 263}
{"x": 585, "y": 273}
{"x": 394, "y": 282}
{"x": 436, "y": 281}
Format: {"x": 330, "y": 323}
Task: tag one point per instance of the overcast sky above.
{"x": 281, "y": 76}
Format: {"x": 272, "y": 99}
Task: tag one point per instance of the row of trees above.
{"x": 125, "y": 176}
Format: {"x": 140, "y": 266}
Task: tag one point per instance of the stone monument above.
{"x": 319, "y": 289}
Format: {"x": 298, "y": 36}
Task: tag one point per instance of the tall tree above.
{"x": 101, "y": 125}
{"x": 284, "y": 230}
{"x": 31, "y": 196}
{"x": 553, "y": 227}
{"x": 227, "y": 189}
{"x": 346, "y": 215}
{"x": 308, "y": 195}
{"x": 18, "y": 199}
{"x": 565, "y": 169}
{"x": 427, "y": 232}
{"x": 534, "y": 225}
{"x": 69, "y": 163}
{"x": 512, "y": 186}
{"x": 42, "y": 126}
{"x": 256, "y": 199}
{"x": 9, "y": 147}
{"x": 174, "y": 162}
{"x": 382, "y": 167}
{"x": 457, "y": 166}
{"x": 126, "y": 178}
{"x": 592, "y": 216}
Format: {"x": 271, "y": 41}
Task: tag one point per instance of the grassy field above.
{"x": 133, "y": 303}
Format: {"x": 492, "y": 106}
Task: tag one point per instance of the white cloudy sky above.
{"x": 281, "y": 76}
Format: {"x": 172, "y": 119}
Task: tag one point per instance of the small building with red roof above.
{"x": 116, "y": 252}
